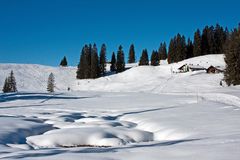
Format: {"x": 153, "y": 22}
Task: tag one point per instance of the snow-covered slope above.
{"x": 32, "y": 77}
{"x": 191, "y": 116}
{"x": 145, "y": 78}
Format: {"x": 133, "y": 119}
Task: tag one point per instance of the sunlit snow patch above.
{"x": 89, "y": 136}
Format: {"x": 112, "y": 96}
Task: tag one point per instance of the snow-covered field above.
{"x": 143, "y": 113}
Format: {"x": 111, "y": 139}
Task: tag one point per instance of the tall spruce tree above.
{"x": 162, "y": 51}
{"x": 189, "y": 48}
{"x": 64, "y": 62}
{"x": 6, "y": 86}
{"x": 220, "y": 37}
{"x": 131, "y": 57}
{"x": 171, "y": 51}
{"x": 211, "y": 41}
{"x": 181, "y": 48}
{"x": 120, "y": 60}
{"x": 207, "y": 42}
{"x": 51, "y": 83}
{"x": 88, "y": 51}
{"x": 81, "y": 65}
{"x": 95, "y": 71}
{"x": 204, "y": 41}
{"x": 232, "y": 58}
{"x": 197, "y": 48}
{"x": 144, "y": 60}
{"x": 177, "y": 49}
{"x": 113, "y": 63}
{"x": 12, "y": 82}
{"x": 102, "y": 60}
{"x": 154, "y": 59}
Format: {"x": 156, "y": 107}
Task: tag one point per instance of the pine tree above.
{"x": 51, "y": 83}
{"x": 177, "y": 49}
{"x": 144, "y": 58}
{"x": 171, "y": 51}
{"x": 208, "y": 44}
{"x": 154, "y": 58}
{"x": 113, "y": 63}
{"x": 232, "y": 58}
{"x": 220, "y": 38}
{"x": 10, "y": 84}
{"x": 81, "y": 65}
{"x": 211, "y": 41}
{"x": 197, "y": 48}
{"x": 181, "y": 48}
{"x": 6, "y": 87}
{"x": 189, "y": 48}
{"x": 87, "y": 63}
{"x": 102, "y": 61}
{"x": 120, "y": 60}
{"x": 131, "y": 57}
{"x": 204, "y": 41}
{"x": 162, "y": 51}
{"x": 63, "y": 62}
{"x": 95, "y": 71}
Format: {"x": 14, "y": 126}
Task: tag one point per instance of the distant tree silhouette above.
{"x": 197, "y": 48}
{"x": 120, "y": 60}
{"x": 113, "y": 63}
{"x": 177, "y": 49}
{"x": 63, "y": 62}
{"x": 189, "y": 48}
{"x": 154, "y": 58}
{"x": 131, "y": 57}
{"x": 103, "y": 61}
{"x": 162, "y": 51}
{"x": 144, "y": 60}
{"x": 95, "y": 71}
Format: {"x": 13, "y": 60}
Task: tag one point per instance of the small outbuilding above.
{"x": 196, "y": 68}
{"x": 184, "y": 68}
{"x": 213, "y": 70}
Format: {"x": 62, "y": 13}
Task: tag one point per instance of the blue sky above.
{"x": 43, "y": 31}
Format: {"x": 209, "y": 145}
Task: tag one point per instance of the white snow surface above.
{"x": 143, "y": 113}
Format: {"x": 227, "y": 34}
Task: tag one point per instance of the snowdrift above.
{"x": 89, "y": 136}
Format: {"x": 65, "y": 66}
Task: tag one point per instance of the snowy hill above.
{"x": 32, "y": 77}
{"x": 146, "y": 78}
{"x": 191, "y": 116}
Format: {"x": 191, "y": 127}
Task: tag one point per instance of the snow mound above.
{"x": 89, "y": 136}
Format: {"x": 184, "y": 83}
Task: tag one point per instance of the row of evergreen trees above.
{"x": 210, "y": 41}
{"x": 93, "y": 66}
{"x": 156, "y": 56}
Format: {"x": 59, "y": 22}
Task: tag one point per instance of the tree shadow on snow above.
{"x": 37, "y": 96}
{"x": 136, "y": 112}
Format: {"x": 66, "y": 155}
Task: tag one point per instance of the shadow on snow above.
{"x": 37, "y": 96}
